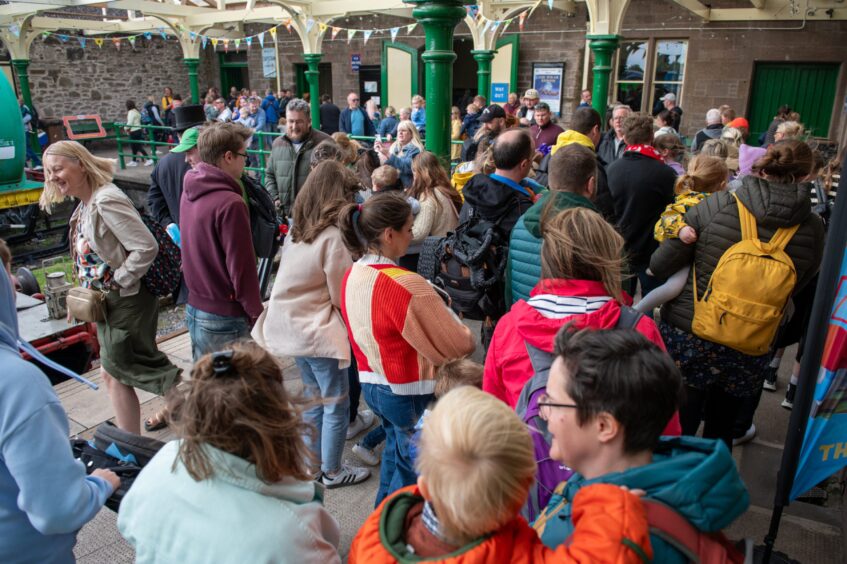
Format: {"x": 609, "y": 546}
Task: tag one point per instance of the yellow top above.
{"x": 671, "y": 220}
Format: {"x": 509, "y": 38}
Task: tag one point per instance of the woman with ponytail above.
{"x": 400, "y": 327}
{"x": 719, "y": 379}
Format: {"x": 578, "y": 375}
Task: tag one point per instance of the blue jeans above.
{"x": 326, "y": 384}
{"x": 211, "y": 332}
{"x": 399, "y": 414}
{"x": 374, "y": 437}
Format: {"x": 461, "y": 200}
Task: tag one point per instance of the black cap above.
{"x": 491, "y": 112}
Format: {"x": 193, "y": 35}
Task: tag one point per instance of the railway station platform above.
{"x": 808, "y": 533}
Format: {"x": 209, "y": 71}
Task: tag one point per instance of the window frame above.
{"x": 649, "y": 83}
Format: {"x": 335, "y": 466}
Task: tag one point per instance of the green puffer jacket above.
{"x": 524, "y": 267}
{"x": 288, "y": 168}
{"x": 718, "y": 228}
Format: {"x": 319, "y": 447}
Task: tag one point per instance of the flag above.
{"x": 350, "y": 34}
{"x": 62, "y": 37}
{"x": 226, "y": 45}
{"x": 237, "y": 44}
{"x": 81, "y": 42}
{"x": 495, "y": 26}
{"x": 15, "y": 29}
{"x": 410, "y": 27}
{"x": 249, "y": 41}
{"x": 367, "y": 33}
{"x": 214, "y": 43}
{"x": 148, "y": 36}
{"x": 394, "y": 32}
{"x": 288, "y": 25}
{"x": 262, "y": 40}
{"x": 116, "y": 41}
{"x": 273, "y": 33}
{"x": 192, "y": 35}
{"x": 203, "y": 41}
{"x": 521, "y": 20}
{"x": 45, "y": 34}
{"x": 131, "y": 40}
{"x": 99, "y": 42}
{"x": 322, "y": 27}
{"x": 335, "y": 31}
{"x": 549, "y": 4}
{"x": 310, "y": 23}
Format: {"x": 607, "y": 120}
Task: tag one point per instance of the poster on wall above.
{"x": 269, "y": 62}
{"x": 548, "y": 79}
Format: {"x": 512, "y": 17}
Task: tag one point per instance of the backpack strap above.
{"x": 525, "y": 190}
{"x": 541, "y": 360}
{"x": 629, "y": 318}
{"x": 749, "y": 230}
{"x": 673, "y": 528}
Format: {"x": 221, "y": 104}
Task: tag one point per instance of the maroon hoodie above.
{"x": 218, "y": 261}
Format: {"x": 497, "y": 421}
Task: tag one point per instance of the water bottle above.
{"x": 173, "y": 231}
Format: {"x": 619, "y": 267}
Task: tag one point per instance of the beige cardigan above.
{"x": 436, "y": 218}
{"x": 303, "y": 316}
{"x": 116, "y": 233}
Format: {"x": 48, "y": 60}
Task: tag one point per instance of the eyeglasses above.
{"x": 545, "y": 405}
{"x": 245, "y": 155}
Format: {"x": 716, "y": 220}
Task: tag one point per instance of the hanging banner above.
{"x": 249, "y": 41}
{"x": 335, "y": 31}
{"x": 148, "y": 35}
{"x": 269, "y": 62}
{"x": 824, "y": 449}
{"x": 351, "y": 33}
{"x": 310, "y": 23}
{"x": 99, "y": 42}
{"x": 262, "y": 39}
{"x": 521, "y": 20}
{"x": 117, "y": 43}
{"x": 131, "y": 40}
{"x": 410, "y": 27}
{"x": 273, "y": 33}
{"x": 237, "y": 44}
{"x": 394, "y": 32}
{"x": 203, "y": 41}
{"x": 548, "y": 79}
{"x": 367, "y": 33}
{"x": 82, "y": 42}
{"x": 192, "y": 35}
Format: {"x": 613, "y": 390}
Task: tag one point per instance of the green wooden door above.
{"x": 809, "y": 88}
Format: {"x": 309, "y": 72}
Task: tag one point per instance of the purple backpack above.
{"x": 550, "y": 472}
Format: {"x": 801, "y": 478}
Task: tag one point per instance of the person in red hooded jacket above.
{"x": 581, "y": 283}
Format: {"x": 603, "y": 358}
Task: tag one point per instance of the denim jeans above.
{"x": 399, "y": 414}
{"x": 211, "y": 332}
{"x": 324, "y": 382}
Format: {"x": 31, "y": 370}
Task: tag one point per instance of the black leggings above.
{"x": 717, "y": 408}
{"x": 355, "y": 390}
{"x": 136, "y": 144}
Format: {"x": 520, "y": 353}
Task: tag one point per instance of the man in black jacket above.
{"x": 612, "y": 144}
{"x": 330, "y": 114}
{"x": 641, "y": 185}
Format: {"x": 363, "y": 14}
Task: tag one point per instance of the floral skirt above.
{"x": 705, "y": 364}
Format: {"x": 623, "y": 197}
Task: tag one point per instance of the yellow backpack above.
{"x": 743, "y": 305}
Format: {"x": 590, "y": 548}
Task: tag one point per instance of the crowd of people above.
{"x": 580, "y": 220}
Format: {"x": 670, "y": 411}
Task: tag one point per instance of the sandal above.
{"x": 158, "y": 421}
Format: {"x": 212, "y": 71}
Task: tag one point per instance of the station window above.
{"x": 648, "y": 69}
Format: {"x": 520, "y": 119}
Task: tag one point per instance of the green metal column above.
{"x": 483, "y": 58}
{"x": 312, "y": 76}
{"x": 192, "y": 65}
{"x": 439, "y": 19}
{"x": 603, "y": 47}
{"x": 21, "y": 69}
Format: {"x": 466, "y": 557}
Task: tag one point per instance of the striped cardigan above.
{"x": 399, "y": 327}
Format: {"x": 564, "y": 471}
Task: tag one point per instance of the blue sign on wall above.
{"x": 499, "y": 92}
{"x": 355, "y": 61}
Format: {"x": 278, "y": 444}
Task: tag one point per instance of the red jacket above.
{"x": 611, "y": 526}
{"x": 507, "y": 366}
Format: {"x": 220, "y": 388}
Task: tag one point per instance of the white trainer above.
{"x": 132, "y": 163}
{"x": 347, "y": 476}
{"x": 366, "y": 455}
{"x": 363, "y": 422}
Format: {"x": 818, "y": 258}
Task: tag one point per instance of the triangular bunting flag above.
{"x": 99, "y": 42}
{"x": 81, "y": 42}
{"x": 549, "y": 4}
{"x": 226, "y": 45}
{"x": 367, "y": 33}
{"x": 237, "y": 44}
{"x": 214, "y": 43}
{"x": 335, "y": 31}
{"x": 262, "y": 39}
{"x": 203, "y": 41}
{"x": 45, "y": 34}
{"x": 131, "y": 40}
{"x": 521, "y": 20}
{"x": 322, "y": 27}
{"x": 273, "y": 33}
{"x": 117, "y": 43}
{"x": 249, "y": 41}
{"x": 410, "y": 27}
{"x": 394, "y": 32}
{"x": 350, "y": 34}
{"x": 310, "y": 23}
{"x": 148, "y": 36}
{"x": 192, "y": 35}
{"x": 15, "y": 29}
{"x": 287, "y": 24}
{"x": 63, "y": 38}
{"x": 495, "y": 26}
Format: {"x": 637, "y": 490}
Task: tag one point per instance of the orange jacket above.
{"x": 611, "y": 527}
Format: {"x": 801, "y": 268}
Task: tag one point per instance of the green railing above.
{"x": 261, "y": 154}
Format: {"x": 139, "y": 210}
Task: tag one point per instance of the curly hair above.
{"x": 245, "y": 411}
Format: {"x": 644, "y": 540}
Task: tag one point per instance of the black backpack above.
{"x": 264, "y": 225}
{"x": 164, "y": 275}
{"x": 122, "y": 452}
{"x": 469, "y": 264}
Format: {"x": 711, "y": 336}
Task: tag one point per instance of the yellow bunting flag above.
{"x": 214, "y": 43}
{"x": 99, "y": 42}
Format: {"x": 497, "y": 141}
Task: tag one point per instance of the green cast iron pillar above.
{"x": 439, "y": 19}
{"x": 21, "y": 69}
{"x": 312, "y": 76}
{"x": 192, "y": 65}
{"x": 603, "y": 47}
{"x": 483, "y": 58}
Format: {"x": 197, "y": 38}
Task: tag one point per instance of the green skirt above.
{"x": 128, "y": 350}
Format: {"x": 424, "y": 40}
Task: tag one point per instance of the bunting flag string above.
{"x": 473, "y": 11}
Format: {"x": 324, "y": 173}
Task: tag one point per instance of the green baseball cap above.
{"x": 188, "y": 140}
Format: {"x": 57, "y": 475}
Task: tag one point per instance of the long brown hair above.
{"x": 578, "y": 244}
{"x": 245, "y": 411}
{"x": 328, "y": 188}
{"x": 428, "y": 177}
